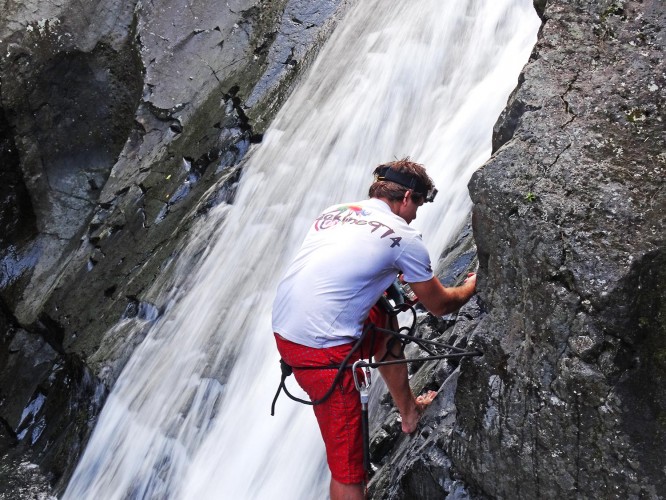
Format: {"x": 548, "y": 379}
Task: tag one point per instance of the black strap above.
{"x": 386, "y": 173}
{"x": 288, "y": 370}
{"x": 398, "y": 338}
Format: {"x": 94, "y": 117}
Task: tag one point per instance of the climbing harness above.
{"x": 393, "y": 303}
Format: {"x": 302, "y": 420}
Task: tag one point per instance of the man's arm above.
{"x": 439, "y": 299}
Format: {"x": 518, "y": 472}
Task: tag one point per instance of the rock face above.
{"x": 120, "y": 122}
{"x": 569, "y": 399}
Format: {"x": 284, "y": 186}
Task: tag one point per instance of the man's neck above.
{"x": 393, "y": 205}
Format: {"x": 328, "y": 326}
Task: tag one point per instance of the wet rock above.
{"x": 417, "y": 465}
{"x": 48, "y": 406}
{"x": 17, "y": 256}
{"x": 458, "y": 258}
{"x": 568, "y": 220}
{"x": 23, "y": 480}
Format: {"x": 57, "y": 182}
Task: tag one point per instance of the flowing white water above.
{"x": 189, "y": 415}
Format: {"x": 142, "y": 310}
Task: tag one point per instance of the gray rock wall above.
{"x": 569, "y": 399}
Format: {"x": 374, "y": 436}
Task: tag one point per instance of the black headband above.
{"x": 386, "y": 173}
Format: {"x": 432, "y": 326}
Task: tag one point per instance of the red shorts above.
{"x": 339, "y": 417}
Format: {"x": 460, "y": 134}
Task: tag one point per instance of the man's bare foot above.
{"x": 410, "y": 421}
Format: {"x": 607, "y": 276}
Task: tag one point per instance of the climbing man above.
{"x": 350, "y": 256}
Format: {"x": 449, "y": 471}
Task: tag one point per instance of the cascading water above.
{"x": 189, "y": 415}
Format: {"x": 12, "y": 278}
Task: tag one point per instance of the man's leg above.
{"x": 340, "y": 491}
{"x": 397, "y": 381}
{"x": 339, "y": 417}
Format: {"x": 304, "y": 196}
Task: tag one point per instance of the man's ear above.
{"x": 408, "y": 194}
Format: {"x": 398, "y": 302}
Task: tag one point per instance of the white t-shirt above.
{"x": 351, "y": 254}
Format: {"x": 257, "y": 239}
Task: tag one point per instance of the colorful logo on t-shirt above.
{"x": 357, "y": 216}
{"x": 358, "y": 210}
{"x": 334, "y": 217}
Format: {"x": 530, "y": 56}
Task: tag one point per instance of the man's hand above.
{"x": 441, "y": 300}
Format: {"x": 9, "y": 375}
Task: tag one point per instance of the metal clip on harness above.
{"x": 363, "y": 388}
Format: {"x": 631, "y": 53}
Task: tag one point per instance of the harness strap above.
{"x": 398, "y": 339}
{"x": 288, "y": 370}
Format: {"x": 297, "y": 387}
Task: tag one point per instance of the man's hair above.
{"x": 394, "y": 191}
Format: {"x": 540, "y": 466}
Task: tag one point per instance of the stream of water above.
{"x": 189, "y": 417}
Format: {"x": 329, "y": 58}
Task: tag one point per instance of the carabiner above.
{"x": 360, "y": 366}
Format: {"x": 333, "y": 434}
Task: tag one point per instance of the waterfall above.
{"x": 189, "y": 417}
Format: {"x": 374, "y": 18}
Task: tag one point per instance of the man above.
{"x": 351, "y": 255}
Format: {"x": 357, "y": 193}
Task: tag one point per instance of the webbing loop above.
{"x": 341, "y": 367}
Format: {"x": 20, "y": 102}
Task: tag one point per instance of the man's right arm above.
{"x": 439, "y": 299}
